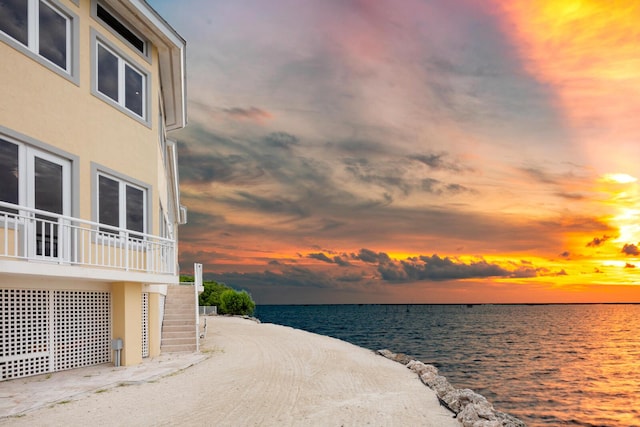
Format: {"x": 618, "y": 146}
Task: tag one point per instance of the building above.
{"x": 89, "y": 197}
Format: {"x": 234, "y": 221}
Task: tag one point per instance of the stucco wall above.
{"x": 49, "y": 108}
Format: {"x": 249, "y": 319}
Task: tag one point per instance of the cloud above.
{"x": 630, "y": 249}
{"x": 252, "y": 113}
{"x": 321, "y": 257}
{"x": 342, "y": 262}
{"x": 540, "y": 175}
{"x": 627, "y": 265}
{"x": 436, "y": 161}
{"x": 395, "y": 175}
{"x": 282, "y": 140}
{"x": 598, "y": 241}
{"x": 289, "y": 276}
{"x": 371, "y": 257}
{"x": 435, "y": 268}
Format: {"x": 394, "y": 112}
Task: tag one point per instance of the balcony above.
{"x": 46, "y": 239}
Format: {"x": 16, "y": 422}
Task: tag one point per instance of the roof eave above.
{"x": 172, "y": 59}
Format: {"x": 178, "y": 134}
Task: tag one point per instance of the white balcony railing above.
{"x": 37, "y": 235}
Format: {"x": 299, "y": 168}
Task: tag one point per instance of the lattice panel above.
{"x": 145, "y": 324}
{"x": 24, "y": 332}
{"x": 82, "y": 327}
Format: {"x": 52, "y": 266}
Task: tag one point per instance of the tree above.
{"x": 238, "y": 303}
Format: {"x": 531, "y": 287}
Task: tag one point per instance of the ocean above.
{"x": 549, "y": 365}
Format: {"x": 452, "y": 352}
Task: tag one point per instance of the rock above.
{"x": 386, "y": 353}
{"x": 471, "y": 408}
{"x": 428, "y": 376}
{"x": 403, "y": 358}
{"x": 466, "y": 396}
{"x": 440, "y": 385}
{"x": 397, "y": 357}
{"x": 478, "y": 415}
{"x": 509, "y": 420}
{"x": 421, "y": 368}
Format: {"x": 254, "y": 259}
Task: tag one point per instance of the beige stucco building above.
{"x": 89, "y": 196}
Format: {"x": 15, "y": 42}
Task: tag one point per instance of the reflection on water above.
{"x": 548, "y": 365}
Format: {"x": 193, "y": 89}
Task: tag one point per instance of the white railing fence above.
{"x": 37, "y": 235}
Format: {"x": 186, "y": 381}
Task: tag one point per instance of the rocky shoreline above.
{"x": 469, "y": 407}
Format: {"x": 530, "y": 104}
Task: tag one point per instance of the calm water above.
{"x": 549, "y": 365}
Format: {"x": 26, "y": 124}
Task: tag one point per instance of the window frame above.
{"x": 145, "y": 54}
{"x": 31, "y": 49}
{"x": 123, "y": 61}
{"x": 123, "y": 182}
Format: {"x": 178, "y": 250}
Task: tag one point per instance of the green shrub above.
{"x": 211, "y": 294}
{"x": 236, "y": 303}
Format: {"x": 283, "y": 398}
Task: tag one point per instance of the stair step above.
{"x": 185, "y": 329}
{"x": 179, "y": 322}
{"x": 175, "y": 334}
{"x": 180, "y": 348}
{"x": 178, "y": 341}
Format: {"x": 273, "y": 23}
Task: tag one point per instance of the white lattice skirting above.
{"x": 46, "y": 330}
{"x": 145, "y": 324}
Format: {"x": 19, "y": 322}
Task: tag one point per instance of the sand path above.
{"x": 263, "y": 375}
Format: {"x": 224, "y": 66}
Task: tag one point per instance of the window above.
{"x": 118, "y": 81}
{"x": 8, "y": 173}
{"x": 41, "y": 27}
{"x": 121, "y": 204}
{"x": 137, "y": 42}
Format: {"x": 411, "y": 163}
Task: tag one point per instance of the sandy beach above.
{"x": 263, "y": 375}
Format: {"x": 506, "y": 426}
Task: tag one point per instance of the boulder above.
{"x": 440, "y": 385}
{"x": 403, "y": 358}
{"x": 471, "y": 408}
{"x": 509, "y": 420}
{"x": 386, "y": 353}
{"x": 478, "y": 415}
{"x": 421, "y": 368}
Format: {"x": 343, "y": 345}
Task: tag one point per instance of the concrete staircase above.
{"x": 179, "y": 323}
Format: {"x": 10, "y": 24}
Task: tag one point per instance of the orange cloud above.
{"x": 252, "y": 113}
{"x": 588, "y": 51}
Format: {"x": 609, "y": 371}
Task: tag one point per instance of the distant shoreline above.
{"x": 457, "y": 304}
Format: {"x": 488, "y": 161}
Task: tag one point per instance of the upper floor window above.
{"x": 42, "y": 27}
{"x": 120, "y": 28}
{"x": 119, "y": 81}
{"x": 116, "y": 25}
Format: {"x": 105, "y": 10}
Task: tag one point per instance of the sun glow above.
{"x": 619, "y": 178}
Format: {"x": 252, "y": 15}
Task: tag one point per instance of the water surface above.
{"x": 548, "y": 365}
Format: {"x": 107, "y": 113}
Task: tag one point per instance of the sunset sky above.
{"x": 412, "y": 151}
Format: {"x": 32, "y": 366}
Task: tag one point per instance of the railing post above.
{"x": 197, "y": 278}
{"x": 126, "y": 251}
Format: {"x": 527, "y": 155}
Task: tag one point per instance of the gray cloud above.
{"x": 540, "y": 176}
{"x": 267, "y": 204}
{"x": 282, "y": 140}
{"x": 598, "y": 241}
{"x": 630, "y": 249}
{"x": 435, "y": 268}
{"x": 251, "y": 113}
{"x": 342, "y": 262}
{"x": 371, "y": 257}
{"x": 321, "y": 257}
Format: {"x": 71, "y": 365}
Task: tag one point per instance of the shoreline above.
{"x": 469, "y": 407}
{"x": 261, "y": 374}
